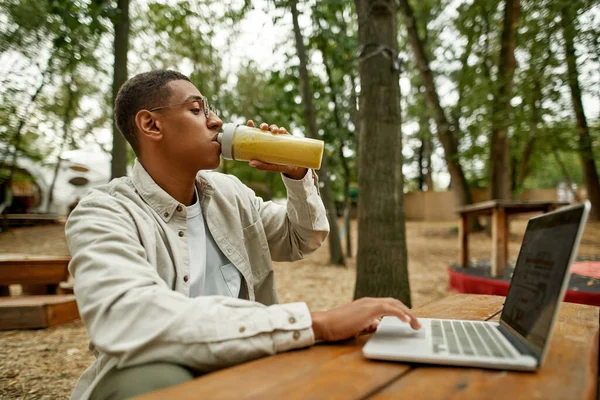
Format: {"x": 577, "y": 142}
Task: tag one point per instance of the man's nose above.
{"x": 214, "y": 122}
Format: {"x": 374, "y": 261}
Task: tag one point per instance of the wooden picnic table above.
{"x": 339, "y": 371}
{"x": 37, "y": 274}
{"x": 28, "y": 219}
{"x": 43, "y": 302}
{"x": 500, "y": 211}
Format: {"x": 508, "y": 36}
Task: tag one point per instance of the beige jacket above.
{"x": 130, "y": 262}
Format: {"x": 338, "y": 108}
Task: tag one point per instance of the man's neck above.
{"x": 172, "y": 179}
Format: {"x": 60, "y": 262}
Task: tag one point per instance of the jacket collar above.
{"x": 159, "y": 200}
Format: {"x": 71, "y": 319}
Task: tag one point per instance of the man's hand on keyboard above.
{"x": 361, "y": 315}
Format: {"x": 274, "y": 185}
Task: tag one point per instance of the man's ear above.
{"x": 148, "y": 126}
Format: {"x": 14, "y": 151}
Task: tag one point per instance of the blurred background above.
{"x": 61, "y": 61}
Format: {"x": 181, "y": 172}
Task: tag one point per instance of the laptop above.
{"x": 520, "y": 340}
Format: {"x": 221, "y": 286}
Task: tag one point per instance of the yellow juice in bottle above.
{"x": 244, "y": 143}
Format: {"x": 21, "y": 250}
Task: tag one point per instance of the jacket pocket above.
{"x": 232, "y": 279}
{"x": 257, "y": 248}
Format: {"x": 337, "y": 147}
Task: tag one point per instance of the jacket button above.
{"x": 292, "y": 320}
{"x": 186, "y": 278}
{"x": 179, "y": 208}
{"x": 296, "y": 335}
{"x": 242, "y": 329}
{"x": 181, "y": 233}
{"x": 166, "y": 214}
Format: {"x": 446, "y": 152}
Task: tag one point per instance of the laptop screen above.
{"x": 539, "y": 273}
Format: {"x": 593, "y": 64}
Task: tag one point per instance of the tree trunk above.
{"x": 118, "y": 165}
{"x": 348, "y": 225}
{"x": 524, "y": 168}
{"x": 343, "y": 161}
{"x": 488, "y": 32}
{"x": 500, "y": 187}
{"x": 592, "y": 183}
{"x": 428, "y": 149}
{"x": 342, "y": 138}
{"x": 446, "y": 131}
{"x": 66, "y": 131}
{"x": 420, "y": 162}
{"x": 335, "y": 246}
{"x": 382, "y": 256}
{"x": 565, "y": 172}
{"x": 425, "y": 150}
{"x": 597, "y": 47}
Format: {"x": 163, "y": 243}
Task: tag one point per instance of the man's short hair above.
{"x": 142, "y": 92}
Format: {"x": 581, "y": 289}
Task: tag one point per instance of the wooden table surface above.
{"x": 339, "y": 371}
{"x": 37, "y": 274}
{"x": 511, "y": 207}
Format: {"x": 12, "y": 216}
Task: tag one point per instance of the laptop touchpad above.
{"x": 392, "y": 327}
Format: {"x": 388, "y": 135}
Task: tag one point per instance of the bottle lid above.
{"x": 226, "y": 139}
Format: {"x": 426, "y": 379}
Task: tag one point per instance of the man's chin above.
{"x": 216, "y": 164}
{"x": 210, "y": 164}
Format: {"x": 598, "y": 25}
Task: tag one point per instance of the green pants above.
{"x": 129, "y": 382}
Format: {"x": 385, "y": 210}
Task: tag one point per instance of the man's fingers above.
{"x": 415, "y": 324}
{"x": 397, "y": 309}
{"x": 403, "y": 307}
{"x": 391, "y": 309}
{"x": 266, "y": 166}
{"x": 271, "y": 128}
{"x": 374, "y": 324}
{"x": 372, "y": 327}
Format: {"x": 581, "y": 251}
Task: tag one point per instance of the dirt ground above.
{"x": 45, "y": 364}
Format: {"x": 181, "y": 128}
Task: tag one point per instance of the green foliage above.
{"x": 65, "y": 48}
{"x": 262, "y": 97}
{"x": 464, "y": 51}
{"x": 184, "y": 32}
{"x": 335, "y": 37}
{"x": 47, "y": 42}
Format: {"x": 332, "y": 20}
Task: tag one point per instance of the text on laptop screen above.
{"x": 539, "y": 273}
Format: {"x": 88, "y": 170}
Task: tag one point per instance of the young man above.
{"x": 172, "y": 266}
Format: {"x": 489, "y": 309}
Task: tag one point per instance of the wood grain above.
{"x": 499, "y": 242}
{"x": 29, "y": 312}
{"x": 463, "y": 240}
{"x": 36, "y": 270}
{"x": 332, "y": 371}
{"x": 570, "y": 370}
{"x": 339, "y": 371}
{"x": 463, "y": 306}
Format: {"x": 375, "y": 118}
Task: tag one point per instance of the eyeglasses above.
{"x": 197, "y": 99}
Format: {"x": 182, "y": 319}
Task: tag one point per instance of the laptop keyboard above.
{"x": 468, "y": 339}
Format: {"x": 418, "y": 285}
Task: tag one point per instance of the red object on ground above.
{"x": 466, "y": 283}
{"x": 586, "y": 268}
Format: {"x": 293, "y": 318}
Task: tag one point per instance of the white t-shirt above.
{"x": 211, "y": 273}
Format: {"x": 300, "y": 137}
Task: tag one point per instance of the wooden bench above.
{"x": 36, "y": 274}
{"x": 31, "y": 219}
{"x": 27, "y": 312}
{"x": 339, "y": 370}
{"x": 41, "y": 277}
